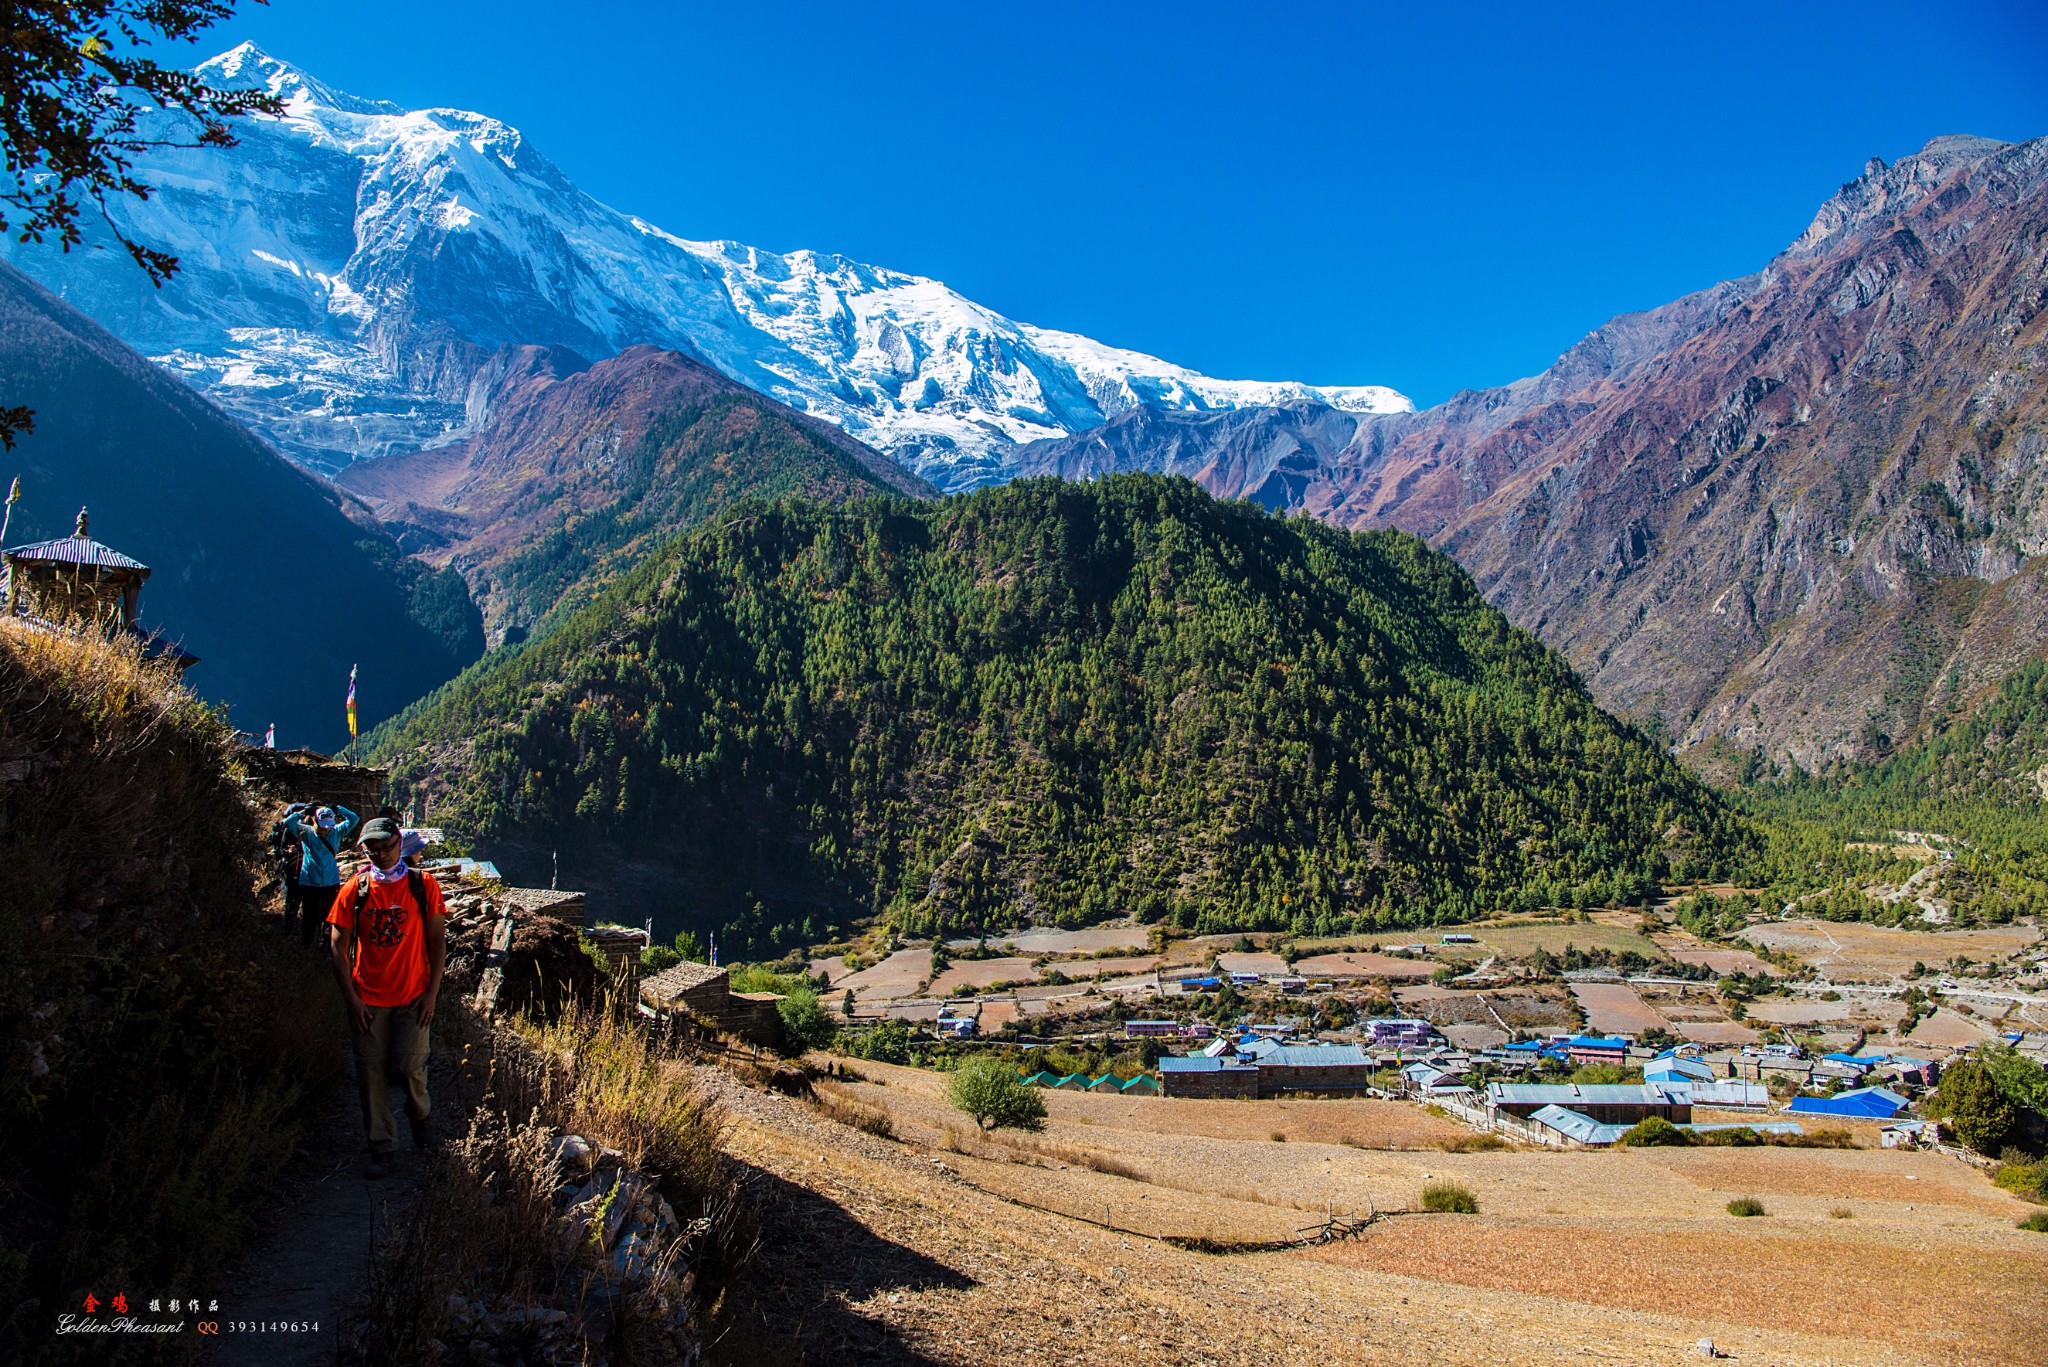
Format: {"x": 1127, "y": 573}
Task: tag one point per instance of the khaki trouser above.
{"x": 393, "y": 1048}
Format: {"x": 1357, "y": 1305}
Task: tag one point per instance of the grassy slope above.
{"x": 162, "y": 1042}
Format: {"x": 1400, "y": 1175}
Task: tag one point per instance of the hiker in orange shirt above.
{"x": 388, "y": 938}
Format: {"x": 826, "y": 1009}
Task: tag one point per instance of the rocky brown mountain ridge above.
{"x": 574, "y": 467}
{"x": 1798, "y": 514}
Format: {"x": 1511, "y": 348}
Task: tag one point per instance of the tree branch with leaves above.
{"x": 74, "y": 88}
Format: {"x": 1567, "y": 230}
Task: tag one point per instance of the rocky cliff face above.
{"x": 1799, "y": 513}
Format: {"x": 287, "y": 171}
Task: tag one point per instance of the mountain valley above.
{"x": 1790, "y": 520}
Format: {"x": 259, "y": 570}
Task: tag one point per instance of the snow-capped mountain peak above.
{"x": 248, "y": 67}
{"x": 348, "y": 268}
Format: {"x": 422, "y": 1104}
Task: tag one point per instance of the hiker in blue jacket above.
{"x": 306, "y": 905}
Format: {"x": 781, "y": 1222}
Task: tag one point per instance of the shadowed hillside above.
{"x": 257, "y": 568}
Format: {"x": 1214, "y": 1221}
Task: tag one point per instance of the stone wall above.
{"x": 1241, "y": 1084}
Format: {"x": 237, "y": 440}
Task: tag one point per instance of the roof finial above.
{"x": 81, "y": 523}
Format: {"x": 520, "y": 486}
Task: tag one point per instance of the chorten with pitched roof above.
{"x": 74, "y": 580}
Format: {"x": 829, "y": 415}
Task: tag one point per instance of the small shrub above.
{"x": 805, "y": 1022}
{"x": 987, "y": 1088}
{"x": 1841, "y": 1213}
{"x": 2025, "y": 1178}
{"x": 2037, "y": 1222}
{"x": 1470, "y": 1143}
{"x": 1279, "y": 1138}
{"x": 1746, "y": 1206}
{"x": 1450, "y": 1197}
{"x": 1655, "y": 1132}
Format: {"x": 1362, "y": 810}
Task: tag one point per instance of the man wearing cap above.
{"x": 388, "y": 937}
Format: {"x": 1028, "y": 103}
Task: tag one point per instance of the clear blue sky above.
{"x": 1337, "y": 194}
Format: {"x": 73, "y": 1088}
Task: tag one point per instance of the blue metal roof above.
{"x": 1727, "y": 1091}
{"x": 1314, "y": 1056}
{"x": 1663, "y": 1069}
{"x": 74, "y": 550}
{"x": 1197, "y": 1064}
{"x": 1589, "y": 1094}
{"x": 1572, "y": 1125}
{"x": 1595, "y": 1042}
{"x": 1867, "y": 1103}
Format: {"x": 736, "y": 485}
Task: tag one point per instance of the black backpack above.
{"x": 285, "y": 847}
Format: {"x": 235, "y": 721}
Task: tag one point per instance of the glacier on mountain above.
{"x": 348, "y": 269}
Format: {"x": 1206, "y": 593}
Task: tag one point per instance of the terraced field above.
{"x": 944, "y": 1246}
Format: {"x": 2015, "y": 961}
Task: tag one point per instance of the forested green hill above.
{"x": 1061, "y": 701}
{"x": 1977, "y": 782}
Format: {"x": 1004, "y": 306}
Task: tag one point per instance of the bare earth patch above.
{"x": 1100, "y": 968}
{"x": 1614, "y": 1008}
{"x": 1945, "y": 1029}
{"x": 1716, "y": 1032}
{"x": 896, "y": 976}
{"x": 1362, "y": 965}
{"x": 983, "y": 973}
{"x": 1049, "y": 941}
{"x": 1850, "y": 951}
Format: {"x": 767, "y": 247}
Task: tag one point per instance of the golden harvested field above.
{"x": 1955, "y": 1304}
{"x": 1362, "y": 965}
{"x": 1049, "y": 941}
{"x": 896, "y": 976}
{"x": 914, "y": 1252}
{"x": 1850, "y": 951}
{"x": 1614, "y": 1008}
{"x": 983, "y": 973}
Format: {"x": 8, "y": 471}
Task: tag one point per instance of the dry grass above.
{"x": 1094, "y": 1160}
{"x": 161, "y": 1041}
{"x": 1476, "y": 1143}
{"x": 837, "y": 1104}
{"x": 486, "y": 1226}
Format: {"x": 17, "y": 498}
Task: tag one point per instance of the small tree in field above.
{"x": 989, "y": 1089}
{"x": 1974, "y": 1105}
{"x": 804, "y": 1020}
